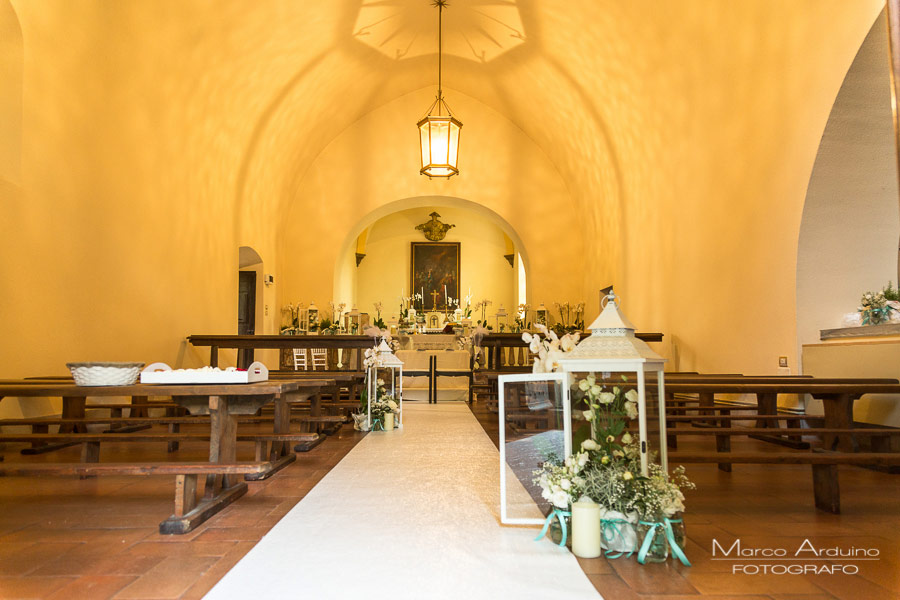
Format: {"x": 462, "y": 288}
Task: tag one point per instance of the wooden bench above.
{"x": 826, "y": 487}
{"x": 723, "y": 436}
{"x": 268, "y": 445}
{"x": 188, "y": 513}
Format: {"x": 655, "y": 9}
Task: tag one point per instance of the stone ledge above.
{"x": 864, "y": 331}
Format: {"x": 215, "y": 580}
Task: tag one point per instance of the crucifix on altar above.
{"x": 434, "y": 297}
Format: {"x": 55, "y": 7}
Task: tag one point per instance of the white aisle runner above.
{"x": 408, "y": 514}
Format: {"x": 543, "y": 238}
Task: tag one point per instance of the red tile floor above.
{"x": 97, "y": 538}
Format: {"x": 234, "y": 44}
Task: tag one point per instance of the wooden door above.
{"x": 246, "y": 313}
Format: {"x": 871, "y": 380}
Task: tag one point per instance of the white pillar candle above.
{"x": 389, "y": 426}
{"x": 586, "y": 529}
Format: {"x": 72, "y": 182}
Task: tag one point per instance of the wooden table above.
{"x": 223, "y": 403}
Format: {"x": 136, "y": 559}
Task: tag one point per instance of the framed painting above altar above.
{"x": 434, "y": 265}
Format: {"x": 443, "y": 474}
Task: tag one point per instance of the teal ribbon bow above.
{"x": 877, "y": 315}
{"x": 611, "y": 524}
{"x": 376, "y": 422}
{"x": 557, "y": 514}
{"x": 665, "y": 525}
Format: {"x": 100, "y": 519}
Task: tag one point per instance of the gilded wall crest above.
{"x": 434, "y": 230}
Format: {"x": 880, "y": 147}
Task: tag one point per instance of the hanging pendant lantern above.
{"x": 439, "y": 129}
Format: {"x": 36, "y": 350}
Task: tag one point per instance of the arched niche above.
{"x": 851, "y": 217}
{"x": 346, "y": 278}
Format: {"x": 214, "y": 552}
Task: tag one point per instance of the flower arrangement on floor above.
{"x": 638, "y": 513}
{"x": 880, "y": 307}
{"x": 384, "y": 404}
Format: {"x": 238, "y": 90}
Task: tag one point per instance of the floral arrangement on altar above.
{"x": 467, "y": 307}
{"x": 481, "y": 305}
{"x": 521, "y": 322}
{"x": 406, "y": 303}
{"x": 638, "y": 513}
{"x": 379, "y": 322}
{"x": 329, "y": 327}
{"x": 880, "y": 307}
{"x": 548, "y": 349}
{"x": 292, "y": 314}
{"x": 569, "y": 312}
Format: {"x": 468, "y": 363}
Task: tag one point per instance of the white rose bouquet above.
{"x": 607, "y": 409}
{"x": 562, "y": 484}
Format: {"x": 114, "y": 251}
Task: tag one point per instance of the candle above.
{"x": 586, "y": 528}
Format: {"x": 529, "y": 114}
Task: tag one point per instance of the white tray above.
{"x": 163, "y": 373}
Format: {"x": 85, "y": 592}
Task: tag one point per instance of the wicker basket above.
{"x": 105, "y": 373}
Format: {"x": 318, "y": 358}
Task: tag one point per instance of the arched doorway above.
{"x": 375, "y": 262}
{"x": 249, "y": 300}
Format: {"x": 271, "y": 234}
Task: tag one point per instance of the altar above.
{"x": 429, "y": 341}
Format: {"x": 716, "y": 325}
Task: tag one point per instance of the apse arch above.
{"x": 344, "y": 287}
{"x": 851, "y": 216}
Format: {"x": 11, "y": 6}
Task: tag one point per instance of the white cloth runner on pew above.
{"x": 409, "y": 514}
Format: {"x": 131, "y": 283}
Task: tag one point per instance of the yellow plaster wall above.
{"x": 367, "y": 169}
{"x": 385, "y": 271}
{"x": 123, "y": 230}
{"x": 665, "y": 148}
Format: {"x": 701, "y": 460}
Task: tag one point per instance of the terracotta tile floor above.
{"x": 97, "y": 538}
{"x": 765, "y": 506}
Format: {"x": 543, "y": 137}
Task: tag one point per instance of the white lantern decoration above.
{"x": 541, "y": 315}
{"x": 352, "y": 321}
{"x": 385, "y": 359}
{"x": 613, "y": 347}
{"x": 502, "y": 317}
{"x": 312, "y": 317}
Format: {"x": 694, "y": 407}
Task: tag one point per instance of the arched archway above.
{"x": 345, "y": 289}
{"x": 851, "y": 217}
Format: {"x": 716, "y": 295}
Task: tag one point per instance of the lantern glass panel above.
{"x": 532, "y": 419}
{"x": 440, "y": 142}
{"x": 453, "y": 148}
{"x": 425, "y": 143}
{"x": 605, "y": 407}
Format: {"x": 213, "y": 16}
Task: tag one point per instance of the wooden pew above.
{"x": 189, "y": 511}
{"x": 826, "y": 486}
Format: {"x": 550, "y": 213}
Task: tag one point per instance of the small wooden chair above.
{"x": 300, "y": 359}
{"x": 319, "y": 358}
